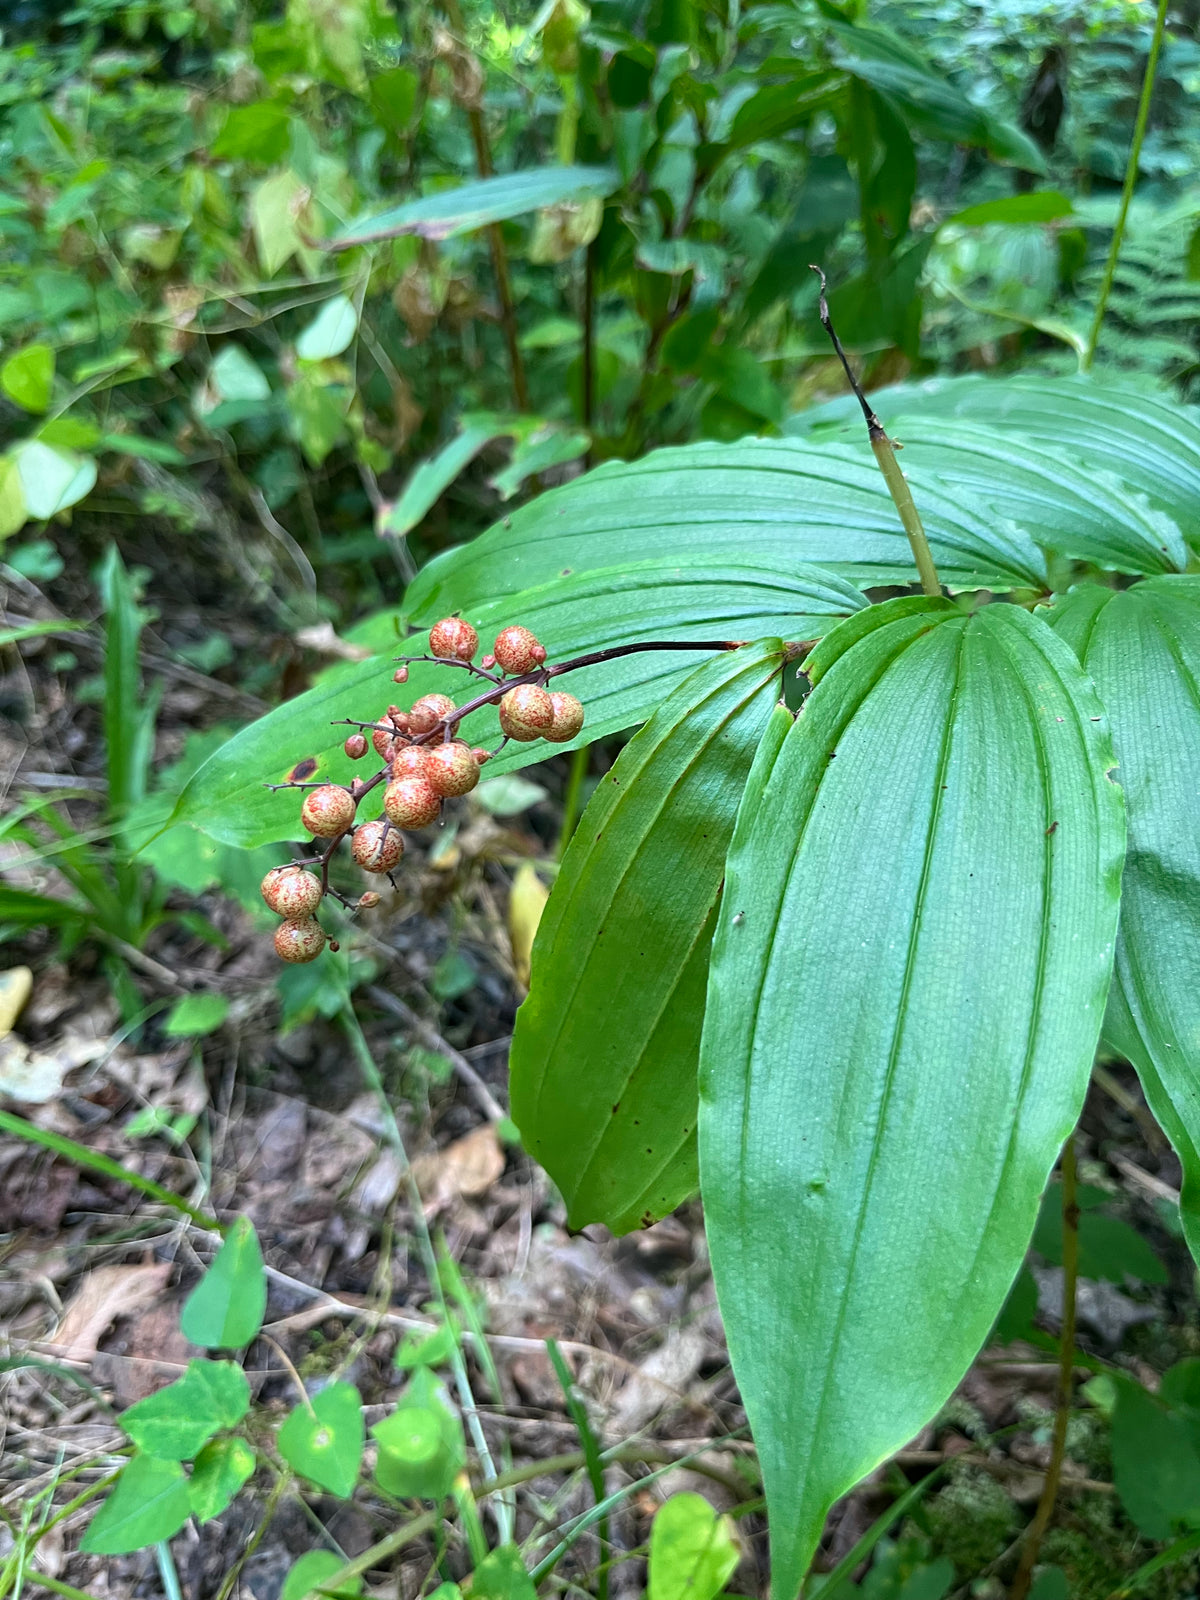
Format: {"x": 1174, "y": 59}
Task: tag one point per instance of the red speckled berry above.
{"x": 568, "y": 717}
{"x": 377, "y": 846}
{"x": 451, "y": 769}
{"x": 428, "y": 711}
{"x": 327, "y": 811}
{"x": 411, "y": 803}
{"x": 299, "y": 941}
{"x": 291, "y": 892}
{"x": 400, "y": 675}
{"x": 517, "y": 650}
{"x": 453, "y": 638}
{"x": 482, "y": 755}
{"x": 526, "y": 712}
{"x": 489, "y": 661}
{"x": 356, "y": 746}
{"x": 408, "y": 760}
{"x": 368, "y": 901}
{"x": 382, "y": 738}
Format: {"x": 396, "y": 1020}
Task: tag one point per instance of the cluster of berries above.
{"x": 424, "y": 764}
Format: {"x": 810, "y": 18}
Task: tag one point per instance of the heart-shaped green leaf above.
{"x": 323, "y": 1439}
{"x": 911, "y": 962}
{"x": 621, "y": 959}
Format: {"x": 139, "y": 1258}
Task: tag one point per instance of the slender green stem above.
{"x": 885, "y": 455}
{"x": 56, "y": 1586}
{"x": 1131, "y": 174}
{"x": 1066, "y": 1375}
{"x": 502, "y": 1510}
{"x": 591, "y": 1450}
{"x": 166, "y": 1570}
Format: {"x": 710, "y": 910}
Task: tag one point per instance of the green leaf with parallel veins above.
{"x": 686, "y": 598}
{"x": 225, "y": 1309}
{"x": 603, "y": 1069}
{"x": 475, "y": 205}
{"x": 149, "y": 1502}
{"x": 906, "y": 987}
{"x": 1148, "y": 444}
{"x": 760, "y": 500}
{"x": 1142, "y": 648}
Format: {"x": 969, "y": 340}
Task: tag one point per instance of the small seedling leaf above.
{"x": 323, "y": 1439}
{"x": 220, "y": 1470}
{"x": 692, "y": 1550}
{"x": 149, "y": 1502}
{"x": 225, "y": 1309}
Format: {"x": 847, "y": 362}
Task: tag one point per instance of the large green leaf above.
{"x": 1142, "y": 648}
{"x": 769, "y": 500}
{"x": 907, "y": 983}
{"x": 603, "y": 1069}
{"x": 474, "y": 205}
{"x": 690, "y": 598}
{"x": 1149, "y": 445}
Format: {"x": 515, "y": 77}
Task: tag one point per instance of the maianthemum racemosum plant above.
{"x": 845, "y": 969}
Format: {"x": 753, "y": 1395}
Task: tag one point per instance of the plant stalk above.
{"x": 1066, "y": 1374}
{"x": 885, "y": 454}
{"x": 588, "y": 362}
{"x": 1131, "y": 175}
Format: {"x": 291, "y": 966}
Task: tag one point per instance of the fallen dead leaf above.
{"x": 103, "y": 1296}
{"x": 35, "y": 1076}
{"x": 16, "y": 985}
{"x": 467, "y": 1167}
{"x": 526, "y": 903}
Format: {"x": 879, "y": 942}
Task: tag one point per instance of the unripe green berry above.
{"x": 291, "y": 892}
{"x": 428, "y": 711}
{"x": 454, "y": 639}
{"x": 568, "y": 717}
{"x": 411, "y": 803}
{"x": 526, "y": 712}
{"x": 451, "y": 769}
{"x": 299, "y": 941}
{"x": 377, "y": 846}
{"x": 327, "y": 811}
{"x": 517, "y": 650}
{"x": 355, "y": 747}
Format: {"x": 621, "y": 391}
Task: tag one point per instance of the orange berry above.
{"x": 291, "y": 892}
{"x": 517, "y": 650}
{"x": 453, "y": 638}
{"x": 526, "y": 712}
{"x": 568, "y": 717}
{"x": 299, "y": 941}
{"x": 451, "y": 769}
{"x": 377, "y": 846}
{"x": 428, "y": 711}
{"x": 411, "y": 803}
{"x": 327, "y": 811}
